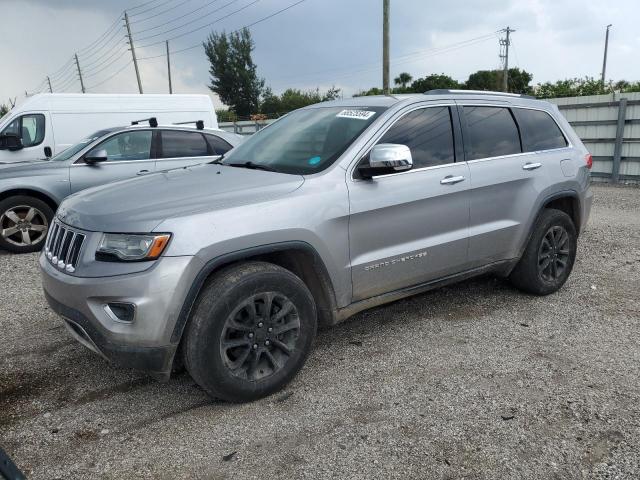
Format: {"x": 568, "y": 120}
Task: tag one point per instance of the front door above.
{"x": 129, "y": 154}
{"x": 411, "y": 227}
{"x": 35, "y": 134}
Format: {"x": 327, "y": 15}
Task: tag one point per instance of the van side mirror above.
{"x": 96, "y": 156}
{"x": 48, "y": 153}
{"x": 11, "y": 142}
{"x": 386, "y": 158}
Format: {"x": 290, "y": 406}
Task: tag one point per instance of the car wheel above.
{"x": 549, "y": 256}
{"x": 251, "y": 331}
{"x": 24, "y": 223}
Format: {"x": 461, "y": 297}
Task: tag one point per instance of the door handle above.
{"x": 142, "y": 172}
{"x": 450, "y": 180}
{"x": 531, "y": 166}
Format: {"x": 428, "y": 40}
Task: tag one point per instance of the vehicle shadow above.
{"x": 60, "y": 377}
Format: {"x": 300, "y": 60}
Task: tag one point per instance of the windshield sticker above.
{"x": 314, "y": 160}
{"x": 359, "y": 114}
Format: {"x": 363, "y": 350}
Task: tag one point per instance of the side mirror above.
{"x": 96, "y": 156}
{"x": 47, "y": 152}
{"x": 386, "y": 158}
{"x": 11, "y": 142}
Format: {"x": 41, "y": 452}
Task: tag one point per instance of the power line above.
{"x": 118, "y": 50}
{"x": 199, "y": 45}
{"x": 142, "y": 5}
{"x": 188, "y": 23}
{"x": 176, "y": 18}
{"x": 161, "y": 13}
{"x": 150, "y": 9}
{"x": 110, "y": 76}
{"x": 101, "y": 37}
{"x": 402, "y": 59}
{"x": 96, "y": 72}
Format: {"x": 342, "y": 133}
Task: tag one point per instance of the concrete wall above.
{"x": 610, "y": 129}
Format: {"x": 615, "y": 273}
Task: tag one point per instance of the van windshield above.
{"x": 304, "y": 141}
{"x": 71, "y": 151}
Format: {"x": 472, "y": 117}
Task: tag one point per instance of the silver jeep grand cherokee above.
{"x": 335, "y": 208}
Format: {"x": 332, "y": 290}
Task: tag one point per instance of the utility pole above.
{"x": 169, "y": 68}
{"x": 80, "y": 74}
{"x": 505, "y": 42}
{"x": 606, "y": 47}
{"x": 133, "y": 51}
{"x": 385, "y": 47}
{"x": 49, "y": 82}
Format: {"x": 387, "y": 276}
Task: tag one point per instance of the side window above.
{"x": 491, "y": 132}
{"x": 428, "y": 134}
{"x": 134, "y": 145}
{"x": 218, "y": 145}
{"x": 539, "y": 131}
{"x": 183, "y": 144}
{"x": 29, "y": 127}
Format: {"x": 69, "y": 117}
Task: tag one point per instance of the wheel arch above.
{"x": 29, "y": 192}
{"x": 568, "y": 202}
{"x": 298, "y": 257}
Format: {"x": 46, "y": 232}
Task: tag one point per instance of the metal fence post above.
{"x": 617, "y": 150}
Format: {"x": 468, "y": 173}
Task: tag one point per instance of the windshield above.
{"x": 305, "y": 141}
{"x": 71, "y": 151}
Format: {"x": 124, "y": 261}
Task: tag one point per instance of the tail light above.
{"x": 588, "y": 159}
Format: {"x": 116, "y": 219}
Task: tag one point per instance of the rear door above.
{"x": 130, "y": 154}
{"x": 411, "y": 227}
{"x": 505, "y": 182}
{"x": 180, "y": 148}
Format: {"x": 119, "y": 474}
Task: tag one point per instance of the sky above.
{"x": 315, "y": 44}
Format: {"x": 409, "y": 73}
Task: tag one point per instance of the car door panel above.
{"x": 130, "y": 154}
{"x": 503, "y": 185}
{"x": 407, "y": 229}
{"x": 412, "y": 227}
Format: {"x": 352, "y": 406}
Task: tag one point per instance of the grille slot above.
{"x": 63, "y": 247}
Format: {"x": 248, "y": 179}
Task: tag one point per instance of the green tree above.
{"x": 293, "y": 98}
{"x": 367, "y": 93}
{"x": 572, "y": 87}
{"x": 233, "y": 74}
{"x": 402, "y": 80}
{"x": 3, "y": 110}
{"x": 518, "y": 81}
{"x": 434, "y": 82}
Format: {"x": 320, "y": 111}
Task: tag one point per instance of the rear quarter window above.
{"x": 539, "y": 130}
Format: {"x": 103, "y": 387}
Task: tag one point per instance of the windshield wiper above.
{"x": 250, "y": 165}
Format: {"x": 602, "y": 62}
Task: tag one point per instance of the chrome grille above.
{"x": 63, "y": 247}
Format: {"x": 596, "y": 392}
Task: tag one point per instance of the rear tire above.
{"x": 549, "y": 256}
{"x": 251, "y": 331}
{"x": 24, "y": 223}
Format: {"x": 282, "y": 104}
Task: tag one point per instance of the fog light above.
{"x": 121, "y": 312}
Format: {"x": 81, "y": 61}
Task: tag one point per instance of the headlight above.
{"x": 128, "y": 247}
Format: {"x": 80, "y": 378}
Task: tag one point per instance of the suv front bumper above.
{"x": 157, "y": 294}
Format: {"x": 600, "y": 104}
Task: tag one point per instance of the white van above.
{"x": 46, "y": 124}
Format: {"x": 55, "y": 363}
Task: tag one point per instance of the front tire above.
{"x": 24, "y": 223}
{"x": 549, "y": 256}
{"x": 251, "y": 331}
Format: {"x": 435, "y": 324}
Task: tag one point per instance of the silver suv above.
{"x": 30, "y": 191}
{"x": 335, "y": 208}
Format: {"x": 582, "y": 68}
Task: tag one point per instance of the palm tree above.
{"x": 403, "y": 79}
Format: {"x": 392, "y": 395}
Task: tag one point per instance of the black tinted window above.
{"x": 428, "y": 134}
{"x": 539, "y": 131}
{"x": 491, "y": 132}
{"x": 218, "y": 145}
{"x": 183, "y": 144}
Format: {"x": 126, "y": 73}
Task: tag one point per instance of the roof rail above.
{"x": 199, "y": 124}
{"x": 153, "y": 121}
{"x": 446, "y": 91}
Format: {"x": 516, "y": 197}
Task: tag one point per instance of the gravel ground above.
{"x": 471, "y": 381}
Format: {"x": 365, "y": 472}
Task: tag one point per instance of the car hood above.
{"x": 28, "y": 168}
{"x": 141, "y": 204}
